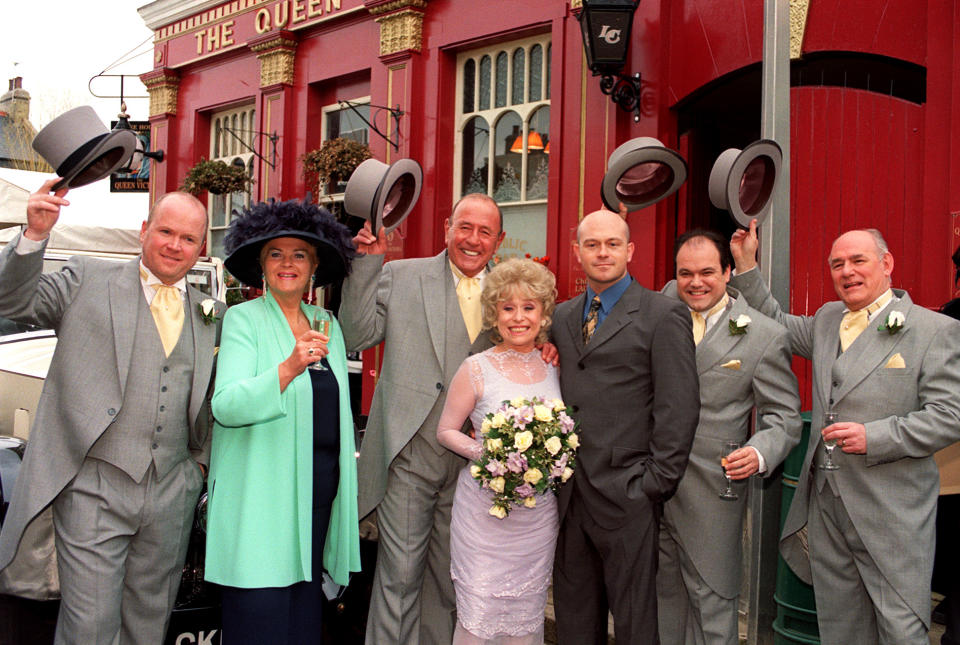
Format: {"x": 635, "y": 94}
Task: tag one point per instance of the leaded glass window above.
{"x": 503, "y": 137}
{"x": 232, "y": 141}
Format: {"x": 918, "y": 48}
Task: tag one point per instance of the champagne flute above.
{"x": 728, "y": 447}
{"x": 320, "y": 321}
{"x": 829, "y": 418}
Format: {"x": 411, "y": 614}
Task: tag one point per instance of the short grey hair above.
{"x": 882, "y": 248}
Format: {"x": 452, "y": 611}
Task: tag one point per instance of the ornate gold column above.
{"x": 798, "y": 25}
{"x": 163, "y": 84}
{"x": 276, "y": 52}
{"x": 401, "y": 25}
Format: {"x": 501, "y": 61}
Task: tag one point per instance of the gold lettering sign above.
{"x": 292, "y": 12}
{"x": 282, "y": 14}
{"x": 215, "y": 37}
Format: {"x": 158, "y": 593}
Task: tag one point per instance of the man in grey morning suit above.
{"x": 422, "y": 308}
{"x": 120, "y": 422}
{"x": 633, "y": 387}
{"x": 740, "y": 367}
{"x": 891, "y": 371}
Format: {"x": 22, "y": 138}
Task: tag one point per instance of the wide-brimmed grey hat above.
{"x": 383, "y": 194}
{"x": 81, "y": 148}
{"x": 641, "y": 172}
{"x": 742, "y": 181}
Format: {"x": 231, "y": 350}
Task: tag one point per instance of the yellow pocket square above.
{"x": 896, "y": 362}
{"x": 733, "y": 365}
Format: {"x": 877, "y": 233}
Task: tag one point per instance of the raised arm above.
{"x": 743, "y": 247}
{"x": 363, "y": 308}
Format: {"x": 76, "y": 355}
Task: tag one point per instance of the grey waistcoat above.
{"x": 152, "y": 425}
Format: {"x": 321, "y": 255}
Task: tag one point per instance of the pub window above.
{"x": 232, "y": 140}
{"x": 502, "y": 145}
{"x": 347, "y": 123}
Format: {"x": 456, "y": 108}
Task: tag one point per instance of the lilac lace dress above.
{"x": 500, "y": 568}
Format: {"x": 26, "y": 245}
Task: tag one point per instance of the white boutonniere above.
{"x": 208, "y": 311}
{"x": 738, "y": 326}
{"x": 893, "y": 323}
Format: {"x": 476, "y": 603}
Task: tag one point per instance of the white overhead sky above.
{"x": 57, "y": 46}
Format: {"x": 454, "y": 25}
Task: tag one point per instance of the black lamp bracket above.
{"x": 624, "y": 91}
{"x": 396, "y": 113}
{"x": 271, "y": 137}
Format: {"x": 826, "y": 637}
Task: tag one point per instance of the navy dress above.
{"x": 292, "y": 615}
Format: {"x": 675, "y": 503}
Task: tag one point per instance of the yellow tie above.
{"x": 700, "y": 321}
{"x": 854, "y": 322}
{"x": 167, "y": 310}
{"x": 468, "y": 294}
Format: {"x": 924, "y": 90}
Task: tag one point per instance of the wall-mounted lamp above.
{"x": 605, "y": 26}
{"x": 136, "y": 159}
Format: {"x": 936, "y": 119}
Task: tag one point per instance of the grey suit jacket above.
{"x": 92, "y": 305}
{"x": 709, "y": 528}
{"x": 634, "y": 390}
{"x": 410, "y": 304}
{"x": 909, "y": 413}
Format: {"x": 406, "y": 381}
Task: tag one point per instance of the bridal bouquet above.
{"x": 529, "y": 447}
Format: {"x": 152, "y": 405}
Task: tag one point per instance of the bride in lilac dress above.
{"x": 501, "y": 567}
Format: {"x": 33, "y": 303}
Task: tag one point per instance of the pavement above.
{"x": 550, "y": 630}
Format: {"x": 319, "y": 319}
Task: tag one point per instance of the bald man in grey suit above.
{"x": 121, "y": 424}
{"x": 627, "y": 369}
{"x": 741, "y": 367}
{"x": 890, "y": 370}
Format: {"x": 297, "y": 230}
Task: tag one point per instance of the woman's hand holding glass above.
{"x": 310, "y": 347}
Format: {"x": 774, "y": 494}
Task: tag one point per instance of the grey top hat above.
{"x": 641, "y": 172}
{"x": 742, "y": 181}
{"x": 383, "y": 194}
{"x": 81, "y": 148}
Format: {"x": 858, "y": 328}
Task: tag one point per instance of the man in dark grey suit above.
{"x": 413, "y": 306}
{"x": 743, "y": 362}
{"x": 627, "y": 368}
{"x": 890, "y": 371}
{"x": 121, "y": 424}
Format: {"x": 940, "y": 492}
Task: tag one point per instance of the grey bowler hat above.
{"x": 383, "y": 194}
{"x": 742, "y": 181}
{"x": 641, "y": 172}
{"x": 81, "y": 148}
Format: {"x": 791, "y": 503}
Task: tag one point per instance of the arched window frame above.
{"x": 492, "y": 114}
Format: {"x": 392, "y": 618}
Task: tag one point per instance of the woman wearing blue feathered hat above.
{"x": 283, "y": 479}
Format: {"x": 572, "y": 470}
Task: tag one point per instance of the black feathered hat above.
{"x": 257, "y": 225}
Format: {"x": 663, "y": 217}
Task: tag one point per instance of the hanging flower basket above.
{"x": 216, "y": 177}
{"x": 334, "y": 161}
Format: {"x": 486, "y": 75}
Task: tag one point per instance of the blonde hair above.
{"x": 525, "y": 277}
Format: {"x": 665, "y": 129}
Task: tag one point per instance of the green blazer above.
{"x": 261, "y": 466}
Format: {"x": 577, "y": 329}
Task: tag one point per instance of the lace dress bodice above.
{"x": 483, "y": 383}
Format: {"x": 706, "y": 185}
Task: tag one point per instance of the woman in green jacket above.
{"x": 283, "y": 480}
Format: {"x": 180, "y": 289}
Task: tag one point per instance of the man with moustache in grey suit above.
{"x": 627, "y": 369}
{"x": 743, "y": 362}
{"x": 427, "y": 311}
{"x": 121, "y": 424}
{"x": 890, "y": 370}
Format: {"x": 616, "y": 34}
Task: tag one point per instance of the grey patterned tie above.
{"x": 593, "y": 316}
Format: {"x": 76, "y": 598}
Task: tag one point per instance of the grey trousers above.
{"x": 856, "y": 604}
{"x": 689, "y": 611}
{"x": 120, "y": 551}
{"x": 413, "y": 600}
